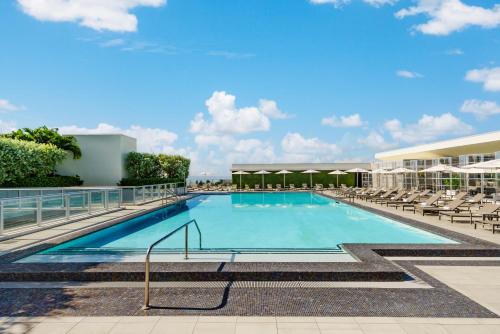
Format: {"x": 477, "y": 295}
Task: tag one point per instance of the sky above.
{"x": 235, "y": 81}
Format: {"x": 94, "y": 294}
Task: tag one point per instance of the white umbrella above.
{"x": 284, "y": 172}
{"x": 240, "y": 172}
{"x": 492, "y": 164}
{"x": 403, "y": 170}
{"x": 262, "y": 172}
{"x": 337, "y": 172}
{"x": 310, "y": 172}
{"x": 357, "y": 170}
{"x": 443, "y": 168}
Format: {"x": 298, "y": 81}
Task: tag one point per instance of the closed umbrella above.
{"x": 240, "y": 172}
{"x": 310, "y": 172}
{"x": 357, "y": 170}
{"x": 337, "y": 172}
{"x": 284, "y": 172}
{"x": 262, "y": 172}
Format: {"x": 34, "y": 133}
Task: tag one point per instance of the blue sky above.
{"x": 225, "y": 81}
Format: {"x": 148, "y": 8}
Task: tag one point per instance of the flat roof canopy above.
{"x": 299, "y": 166}
{"x": 477, "y": 144}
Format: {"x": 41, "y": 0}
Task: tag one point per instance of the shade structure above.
{"x": 284, "y": 172}
{"x": 240, "y": 172}
{"x": 337, "y": 172}
{"x": 310, "y": 172}
{"x": 473, "y": 170}
{"x": 357, "y": 170}
{"x": 262, "y": 172}
{"x": 402, "y": 170}
{"x": 492, "y": 164}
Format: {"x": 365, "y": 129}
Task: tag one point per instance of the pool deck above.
{"x": 446, "y": 289}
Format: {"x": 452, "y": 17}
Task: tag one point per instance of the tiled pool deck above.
{"x": 450, "y": 295}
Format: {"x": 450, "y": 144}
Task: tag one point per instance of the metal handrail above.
{"x": 150, "y": 249}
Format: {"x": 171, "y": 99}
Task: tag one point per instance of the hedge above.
{"x": 297, "y": 178}
{"x": 23, "y": 159}
{"x": 45, "y": 181}
{"x": 147, "y": 181}
{"x": 151, "y": 166}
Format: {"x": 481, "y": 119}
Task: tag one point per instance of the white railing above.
{"x": 22, "y": 212}
{"x": 38, "y": 206}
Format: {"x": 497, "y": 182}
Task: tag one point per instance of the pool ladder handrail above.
{"x": 150, "y": 249}
{"x": 173, "y": 193}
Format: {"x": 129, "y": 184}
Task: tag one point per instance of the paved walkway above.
{"x": 244, "y": 325}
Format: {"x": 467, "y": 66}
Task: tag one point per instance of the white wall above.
{"x": 103, "y": 159}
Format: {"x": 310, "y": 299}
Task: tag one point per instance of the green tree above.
{"x": 143, "y": 165}
{"x": 44, "y": 135}
{"x": 174, "y": 166}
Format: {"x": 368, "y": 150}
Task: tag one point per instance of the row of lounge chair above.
{"x": 456, "y": 208}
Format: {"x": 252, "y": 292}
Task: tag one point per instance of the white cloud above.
{"x": 447, "y": 16}
{"x": 454, "y": 52}
{"x": 297, "y": 148}
{"x": 376, "y": 141}
{"x": 336, "y": 3}
{"x": 351, "y": 121}
{"x": 379, "y": 3}
{"x": 112, "y": 43}
{"x": 226, "y": 118}
{"x": 6, "y": 105}
{"x": 427, "y": 128}
{"x": 408, "y": 74}
{"x": 481, "y": 109}
{"x": 113, "y": 15}
{"x": 7, "y": 126}
{"x": 489, "y": 77}
{"x": 340, "y": 3}
{"x": 148, "y": 139}
{"x": 229, "y": 54}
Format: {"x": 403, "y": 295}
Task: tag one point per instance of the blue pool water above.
{"x": 253, "y": 221}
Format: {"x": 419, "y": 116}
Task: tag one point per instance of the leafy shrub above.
{"x": 143, "y": 166}
{"x": 22, "y": 159}
{"x": 151, "y": 166}
{"x": 174, "y": 166}
{"x": 147, "y": 181}
{"x": 44, "y": 135}
{"x": 46, "y": 181}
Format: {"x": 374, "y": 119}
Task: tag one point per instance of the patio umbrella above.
{"x": 442, "y": 168}
{"x": 284, "y": 172}
{"x": 492, "y": 164}
{"x": 240, "y": 172}
{"x": 262, "y": 172}
{"x": 357, "y": 170}
{"x": 310, "y": 172}
{"x": 337, "y": 172}
{"x": 403, "y": 170}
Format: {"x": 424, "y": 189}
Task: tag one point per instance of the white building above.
{"x": 103, "y": 159}
{"x": 454, "y": 152}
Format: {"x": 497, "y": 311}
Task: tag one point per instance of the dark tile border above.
{"x": 371, "y": 266}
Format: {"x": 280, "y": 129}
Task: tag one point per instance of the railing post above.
{"x": 106, "y": 199}
{"x": 66, "y": 204}
{"x": 121, "y": 197}
{"x": 39, "y": 210}
{"x": 146, "y": 286}
{"x": 1, "y": 218}
{"x": 133, "y": 195}
{"x": 89, "y": 202}
{"x": 143, "y": 194}
{"x": 186, "y": 243}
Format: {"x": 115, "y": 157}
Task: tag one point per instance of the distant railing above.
{"x": 38, "y": 206}
{"x": 22, "y": 212}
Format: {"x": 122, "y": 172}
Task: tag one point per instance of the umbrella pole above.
{"x": 284, "y": 183}
{"x": 337, "y": 180}
{"x": 311, "y": 178}
{"x": 240, "y": 181}
{"x": 262, "y": 181}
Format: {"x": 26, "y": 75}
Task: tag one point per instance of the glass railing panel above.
{"x": 19, "y": 212}
{"x": 97, "y": 200}
{"x": 78, "y": 204}
{"x": 114, "y": 199}
{"x": 52, "y": 207}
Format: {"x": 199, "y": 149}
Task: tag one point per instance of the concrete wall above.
{"x": 103, "y": 159}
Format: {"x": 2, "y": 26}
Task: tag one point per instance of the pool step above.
{"x": 202, "y": 271}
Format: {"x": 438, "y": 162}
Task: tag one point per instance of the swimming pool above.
{"x": 241, "y": 222}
